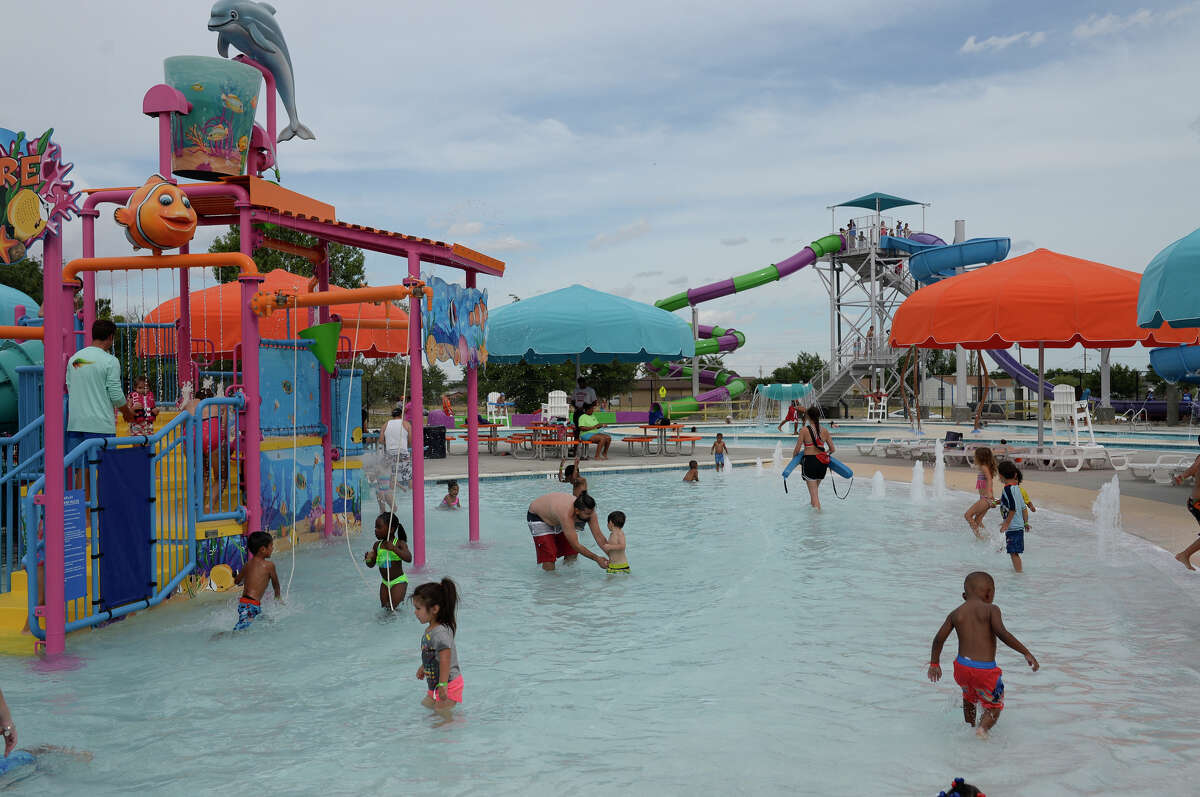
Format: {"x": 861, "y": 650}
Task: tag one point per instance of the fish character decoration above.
{"x": 158, "y": 216}
{"x": 251, "y": 27}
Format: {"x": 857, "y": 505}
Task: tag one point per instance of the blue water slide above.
{"x": 932, "y": 263}
{"x": 1176, "y": 362}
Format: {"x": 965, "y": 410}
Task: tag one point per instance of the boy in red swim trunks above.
{"x": 978, "y": 625}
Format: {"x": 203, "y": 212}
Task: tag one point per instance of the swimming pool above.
{"x": 757, "y": 648}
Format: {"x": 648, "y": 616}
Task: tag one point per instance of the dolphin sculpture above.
{"x": 251, "y": 27}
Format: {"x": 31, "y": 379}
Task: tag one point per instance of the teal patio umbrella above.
{"x": 585, "y": 325}
{"x": 1170, "y": 291}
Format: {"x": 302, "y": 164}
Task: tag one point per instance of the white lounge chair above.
{"x": 497, "y": 412}
{"x": 556, "y": 406}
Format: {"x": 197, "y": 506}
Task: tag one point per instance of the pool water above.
{"x": 758, "y": 648}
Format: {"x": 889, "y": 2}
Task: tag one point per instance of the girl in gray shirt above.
{"x": 433, "y": 604}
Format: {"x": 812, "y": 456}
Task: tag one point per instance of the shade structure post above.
{"x": 57, "y": 304}
{"x": 326, "y": 395}
{"x": 1105, "y": 379}
{"x": 183, "y": 330}
{"x": 472, "y": 443}
{"x": 416, "y": 401}
{"x": 248, "y": 285}
{"x": 1041, "y": 402}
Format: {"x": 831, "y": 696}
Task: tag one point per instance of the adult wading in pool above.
{"x": 817, "y": 446}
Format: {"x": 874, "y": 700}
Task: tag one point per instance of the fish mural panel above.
{"x": 213, "y": 140}
{"x": 454, "y": 323}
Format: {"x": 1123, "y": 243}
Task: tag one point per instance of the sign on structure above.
{"x": 35, "y": 194}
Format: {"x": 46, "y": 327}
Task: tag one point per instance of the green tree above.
{"x": 26, "y": 276}
{"x": 346, "y": 264}
{"x": 385, "y": 382}
{"x": 941, "y": 362}
{"x": 802, "y": 369}
{"x": 528, "y": 385}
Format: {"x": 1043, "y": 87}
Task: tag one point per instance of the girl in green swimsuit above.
{"x": 389, "y": 550}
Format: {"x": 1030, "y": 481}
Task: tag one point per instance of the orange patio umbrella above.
{"x": 1041, "y": 299}
{"x": 216, "y": 321}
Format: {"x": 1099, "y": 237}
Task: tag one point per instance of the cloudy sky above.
{"x": 646, "y": 147}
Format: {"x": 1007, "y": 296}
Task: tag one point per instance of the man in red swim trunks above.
{"x": 555, "y": 520}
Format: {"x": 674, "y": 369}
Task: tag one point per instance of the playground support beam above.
{"x": 250, "y": 281}
{"x": 322, "y": 277}
{"x": 472, "y": 442}
{"x": 416, "y": 401}
{"x": 57, "y": 304}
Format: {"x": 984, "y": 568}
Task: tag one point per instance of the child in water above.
{"x": 255, "y": 576}
{"x": 693, "y": 472}
{"x": 433, "y": 603}
{"x": 144, "y": 407}
{"x": 451, "y": 499}
{"x": 978, "y": 625}
{"x": 719, "y": 450}
{"x": 985, "y": 461}
{"x": 615, "y": 547}
{"x": 1015, "y": 522}
{"x": 574, "y": 477}
{"x": 389, "y": 550}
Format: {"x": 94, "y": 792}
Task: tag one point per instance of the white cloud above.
{"x": 736, "y": 241}
{"x": 627, "y": 233}
{"x": 1108, "y": 24}
{"x": 507, "y": 243}
{"x": 647, "y": 274}
{"x": 463, "y": 228}
{"x": 998, "y": 43}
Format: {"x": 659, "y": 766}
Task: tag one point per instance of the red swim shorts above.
{"x": 980, "y": 682}
{"x": 552, "y": 546}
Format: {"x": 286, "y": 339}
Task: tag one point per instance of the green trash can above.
{"x": 211, "y": 142}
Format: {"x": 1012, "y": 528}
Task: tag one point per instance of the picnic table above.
{"x": 661, "y": 430}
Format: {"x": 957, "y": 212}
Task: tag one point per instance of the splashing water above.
{"x": 878, "y": 488}
{"x": 758, "y": 465}
{"x": 918, "y": 482}
{"x": 777, "y": 457}
{"x": 939, "y": 471}
{"x": 1106, "y": 513}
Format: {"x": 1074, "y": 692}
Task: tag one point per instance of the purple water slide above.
{"x": 1023, "y": 376}
{"x": 712, "y": 291}
{"x": 727, "y": 342}
{"x": 927, "y": 238}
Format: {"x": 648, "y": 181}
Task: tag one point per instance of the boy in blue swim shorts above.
{"x": 719, "y": 450}
{"x": 978, "y": 625}
{"x": 1015, "y": 522}
{"x": 255, "y": 576}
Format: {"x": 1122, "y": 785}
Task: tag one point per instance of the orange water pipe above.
{"x": 145, "y": 262}
{"x": 38, "y": 333}
{"x": 370, "y": 323}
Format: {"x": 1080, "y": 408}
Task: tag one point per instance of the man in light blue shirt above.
{"x": 94, "y": 388}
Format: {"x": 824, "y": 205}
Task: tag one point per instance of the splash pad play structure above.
{"x": 121, "y": 523}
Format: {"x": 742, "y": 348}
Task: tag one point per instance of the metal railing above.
{"x": 215, "y": 448}
{"x": 20, "y": 466}
{"x": 173, "y": 528}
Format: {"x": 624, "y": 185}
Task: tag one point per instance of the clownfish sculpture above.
{"x": 158, "y": 216}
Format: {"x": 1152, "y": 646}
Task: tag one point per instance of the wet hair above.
{"x": 1009, "y": 470}
{"x": 258, "y": 540}
{"x": 397, "y": 412}
{"x": 103, "y": 329}
{"x": 585, "y": 501}
{"x": 451, "y": 485}
{"x": 393, "y": 525}
{"x": 978, "y": 579}
{"x": 814, "y": 415}
{"x": 959, "y": 788}
{"x": 617, "y": 519}
{"x": 443, "y": 595}
{"x": 720, "y": 435}
{"x": 569, "y": 474}
{"x": 204, "y": 393}
{"x": 985, "y": 457}
{"x": 693, "y": 464}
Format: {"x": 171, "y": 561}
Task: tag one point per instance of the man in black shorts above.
{"x": 1193, "y": 505}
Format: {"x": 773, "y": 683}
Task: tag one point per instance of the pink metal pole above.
{"x": 250, "y": 338}
{"x": 57, "y": 306}
{"x": 164, "y": 147}
{"x": 89, "y": 215}
{"x": 183, "y": 345}
{"x": 272, "y": 131}
{"x": 326, "y": 396}
{"x": 417, "y": 417}
{"x": 472, "y": 442}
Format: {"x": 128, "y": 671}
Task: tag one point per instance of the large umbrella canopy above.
{"x": 1170, "y": 293}
{"x": 1040, "y": 299}
{"x": 216, "y": 321}
{"x": 878, "y": 201}
{"x": 578, "y": 323}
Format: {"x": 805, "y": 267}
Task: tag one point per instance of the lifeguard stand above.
{"x": 1070, "y": 416}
